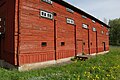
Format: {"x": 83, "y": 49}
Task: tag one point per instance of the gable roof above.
{"x": 61, "y": 2}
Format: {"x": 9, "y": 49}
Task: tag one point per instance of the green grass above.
{"x": 102, "y": 67}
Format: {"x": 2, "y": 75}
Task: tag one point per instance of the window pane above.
{"x": 84, "y": 26}
{"x": 46, "y": 14}
{"x": 70, "y": 21}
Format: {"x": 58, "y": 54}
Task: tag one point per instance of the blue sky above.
{"x": 109, "y": 9}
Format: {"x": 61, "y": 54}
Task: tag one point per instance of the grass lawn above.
{"x": 102, "y": 67}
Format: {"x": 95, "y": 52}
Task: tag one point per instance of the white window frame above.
{"x": 48, "y": 15}
{"x": 94, "y": 29}
{"x": 48, "y": 1}
{"x": 93, "y": 21}
{"x": 70, "y": 21}
{"x": 85, "y": 26}
{"x": 83, "y": 16}
{"x": 69, "y": 10}
{"x": 102, "y": 32}
{"x": 107, "y": 33}
{"x": 102, "y": 25}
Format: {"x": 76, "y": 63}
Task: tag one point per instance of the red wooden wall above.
{"x": 26, "y": 30}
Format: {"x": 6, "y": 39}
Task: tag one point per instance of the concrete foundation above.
{"x": 41, "y": 64}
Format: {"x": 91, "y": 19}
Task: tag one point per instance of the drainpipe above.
{"x": 55, "y": 38}
{"x": 89, "y": 41}
{"x": 75, "y": 40}
{"x": 96, "y": 43}
{"x": 18, "y": 34}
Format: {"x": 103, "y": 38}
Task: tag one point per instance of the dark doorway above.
{"x": 1, "y": 46}
{"x": 104, "y": 47}
{"x": 79, "y": 47}
{"x": 2, "y": 35}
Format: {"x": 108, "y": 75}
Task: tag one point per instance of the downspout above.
{"x": 89, "y": 41}
{"x": 18, "y": 34}
{"x": 75, "y": 40}
{"x": 55, "y": 38}
{"x": 96, "y": 44}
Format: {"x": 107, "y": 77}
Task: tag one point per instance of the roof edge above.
{"x": 66, "y": 4}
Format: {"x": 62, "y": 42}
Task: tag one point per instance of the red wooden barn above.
{"x": 38, "y": 32}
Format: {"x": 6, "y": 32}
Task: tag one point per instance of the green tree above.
{"x": 115, "y": 31}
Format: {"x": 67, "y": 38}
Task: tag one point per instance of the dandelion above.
{"x": 78, "y": 78}
{"x": 108, "y": 75}
{"x": 93, "y": 68}
{"x": 97, "y": 76}
{"x": 88, "y": 76}
{"x": 85, "y": 72}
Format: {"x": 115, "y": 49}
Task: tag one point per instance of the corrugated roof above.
{"x": 79, "y": 11}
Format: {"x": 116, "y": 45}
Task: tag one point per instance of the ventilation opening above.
{"x": 62, "y": 43}
{"x": 43, "y": 44}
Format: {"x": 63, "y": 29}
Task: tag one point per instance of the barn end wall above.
{"x": 7, "y": 11}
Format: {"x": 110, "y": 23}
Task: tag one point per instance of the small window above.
{"x": 93, "y": 21}
{"x": 62, "y": 43}
{"x": 47, "y": 1}
{"x": 102, "y": 25}
{"x": 69, "y": 10}
{"x": 42, "y": 13}
{"x": 102, "y": 32}
{"x": 46, "y": 14}
{"x": 70, "y": 21}
{"x": 85, "y": 26}
{"x": 84, "y": 16}
{"x": 94, "y": 29}
{"x": 43, "y": 44}
{"x": 107, "y": 33}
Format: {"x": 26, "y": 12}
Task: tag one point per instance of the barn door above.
{"x": 104, "y": 47}
{"x": 0, "y": 47}
{"x": 2, "y": 32}
{"x": 79, "y": 47}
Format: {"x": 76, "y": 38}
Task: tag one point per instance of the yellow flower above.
{"x": 108, "y": 75}
{"x": 78, "y": 78}
{"x": 97, "y": 76}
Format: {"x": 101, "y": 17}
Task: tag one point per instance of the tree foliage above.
{"x": 115, "y": 31}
